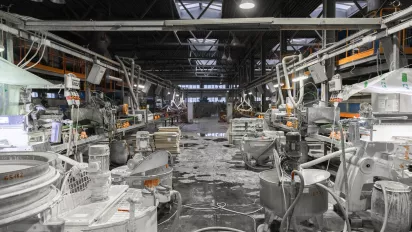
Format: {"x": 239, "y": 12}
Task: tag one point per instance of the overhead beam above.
{"x": 237, "y": 24}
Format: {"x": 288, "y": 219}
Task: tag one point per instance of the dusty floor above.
{"x": 207, "y": 174}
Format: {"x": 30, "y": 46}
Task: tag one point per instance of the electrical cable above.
{"x": 337, "y": 199}
{"x": 41, "y": 57}
{"x": 345, "y": 171}
{"x": 27, "y": 53}
{"x": 35, "y": 54}
{"x": 219, "y": 229}
{"x": 292, "y": 206}
{"x": 222, "y": 206}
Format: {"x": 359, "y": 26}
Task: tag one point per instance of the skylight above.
{"x": 344, "y": 9}
{"x": 196, "y": 8}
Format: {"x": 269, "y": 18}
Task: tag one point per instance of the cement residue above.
{"x": 214, "y": 163}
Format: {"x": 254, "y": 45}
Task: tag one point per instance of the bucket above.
{"x": 399, "y": 206}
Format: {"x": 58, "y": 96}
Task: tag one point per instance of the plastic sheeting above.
{"x": 13, "y": 75}
{"x": 398, "y": 81}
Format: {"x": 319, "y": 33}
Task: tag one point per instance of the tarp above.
{"x": 11, "y": 74}
{"x": 398, "y": 81}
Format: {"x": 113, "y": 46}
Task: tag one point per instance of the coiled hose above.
{"x": 292, "y": 206}
{"x": 218, "y": 228}
{"x": 337, "y": 199}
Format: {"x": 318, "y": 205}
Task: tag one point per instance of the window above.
{"x": 193, "y": 99}
{"x": 34, "y": 94}
{"x": 51, "y": 95}
{"x": 216, "y": 99}
{"x": 214, "y": 86}
{"x": 189, "y": 86}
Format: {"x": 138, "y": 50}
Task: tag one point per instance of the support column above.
{"x": 263, "y": 56}
{"x": 263, "y": 71}
{"x": 329, "y": 11}
{"x": 9, "y": 48}
{"x": 396, "y": 56}
{"x": 252, "y": 65}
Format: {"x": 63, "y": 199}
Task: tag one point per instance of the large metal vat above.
{"x": 314, "y": 200}
{"x": 399, "y": 204}
{"x": 119, "y": 152}
{"x": 26, "y": 184}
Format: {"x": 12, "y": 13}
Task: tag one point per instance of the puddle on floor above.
{"x": 219, "y": 140}
{"x": 189, "y": 144}
{"x": 211, "y": 134}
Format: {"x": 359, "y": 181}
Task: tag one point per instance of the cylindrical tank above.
{"x": 293, "y": 144}
{"x": 399, "y": 205}
{"x": 314, "y": 200}
{"x": 119, "y": 152}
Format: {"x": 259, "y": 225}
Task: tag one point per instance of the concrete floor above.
{"x": 205, "y": 173}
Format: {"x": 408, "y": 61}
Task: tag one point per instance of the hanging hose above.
{"x": 175, "y": 224}
{"x": 218, "y": 228}
{"x": 337, "y": 199}
{"x": 345, "y": 171}
{"x": 385, "y": 196}
{"x": 27, "y": 53}
{"x": 292, "y": 206}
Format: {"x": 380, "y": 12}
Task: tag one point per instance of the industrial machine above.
{"x": 83, "y": 199}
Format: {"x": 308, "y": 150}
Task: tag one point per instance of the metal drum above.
{"x": 119, "y": 152}
{"x": 314, "y": 200}
{"x": 399, "y": 204}
{"x": 26, "y": 180}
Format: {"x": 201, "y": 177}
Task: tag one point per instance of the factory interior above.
{"x": 205, "y": 115}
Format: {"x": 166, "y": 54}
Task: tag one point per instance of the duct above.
{"x": 280, "y": 97}
{"x": 287, "y": 84}
{"x": 126, "y": 76}
{"x": 112, "y": 78}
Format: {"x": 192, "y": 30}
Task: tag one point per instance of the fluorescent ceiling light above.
{"x": 141, "y": 86}
{"x": 224, "y": 57}
{"x": 281, "y": 84}
{"x": 247, "y": 4}
{"x": 300, "y": 78}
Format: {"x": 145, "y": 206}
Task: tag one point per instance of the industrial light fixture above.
{"x": 168, "y": 93}
{"x": 58, "y": 1}
{"x": 300, "y": 78}
{"x": 247, "y": 4}
{"x": 177, "y": 95}
{"x": 224, "y": 57}
{"x": 235, "y": 41}
{"x": 229, "y": 59}
{"x": 141, "y": 86}
{"x": 250, "y": 93}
